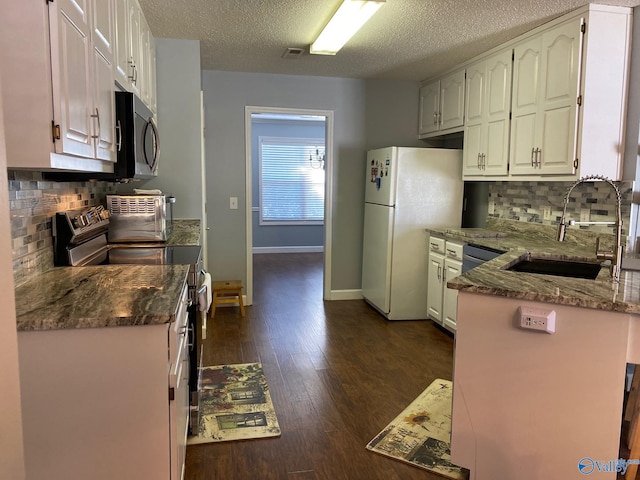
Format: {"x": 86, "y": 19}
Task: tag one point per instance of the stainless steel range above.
{"x": 80, "y": 239}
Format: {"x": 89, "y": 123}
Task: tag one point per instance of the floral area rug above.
{"x": 235, "y": 404}
{"x": 421, "y": 434}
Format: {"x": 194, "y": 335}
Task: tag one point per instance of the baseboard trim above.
{"x": 355, "y": 294}
{"x": 291, "y": 249}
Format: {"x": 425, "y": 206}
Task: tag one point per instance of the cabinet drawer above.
{"x": 436, "y": 244}
{"x": 454, "y": 250}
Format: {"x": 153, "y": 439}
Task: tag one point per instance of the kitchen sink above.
{"x": 561, "y": 268}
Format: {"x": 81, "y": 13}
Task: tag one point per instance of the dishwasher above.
{"x": 475, "y": 255}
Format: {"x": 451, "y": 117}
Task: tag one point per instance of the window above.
{"x": 291, "y": 181}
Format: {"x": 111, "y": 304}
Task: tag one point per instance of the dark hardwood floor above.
{"x": 338, "y": 374}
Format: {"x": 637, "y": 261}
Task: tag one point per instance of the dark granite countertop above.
{"x": 184, "y": 232}
{"x": 100, "y": 296}
{"x": 539, "y": 241}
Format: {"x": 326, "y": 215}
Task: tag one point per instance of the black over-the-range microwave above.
{"x": 137, "y": 143}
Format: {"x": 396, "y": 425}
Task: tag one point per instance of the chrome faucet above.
{"x": 616, "y": 255}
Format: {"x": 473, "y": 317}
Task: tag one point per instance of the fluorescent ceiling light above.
{"x": 347, "y": 20}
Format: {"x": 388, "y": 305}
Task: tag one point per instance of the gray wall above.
{"x": 392, "y": 114}
{"x": 226, "y": 95}
{"x": 281, "y": 235}
{"x": 178, "y": 91}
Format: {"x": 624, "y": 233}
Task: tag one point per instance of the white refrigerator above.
{"x": 407, "y": 190}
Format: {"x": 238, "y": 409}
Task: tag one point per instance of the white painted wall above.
{"x": 11, "y": 443}
{"x": 392, "y": 114}
{"x": 226, "y": 95}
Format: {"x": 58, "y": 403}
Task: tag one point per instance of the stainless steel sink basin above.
{"x": 561, "y": 268}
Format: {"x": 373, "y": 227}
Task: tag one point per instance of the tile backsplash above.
{"x": 526, "y": 202}
{"x": 33, "y": 202}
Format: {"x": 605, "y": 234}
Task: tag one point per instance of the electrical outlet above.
{"x": 492, "y": 208}
{"x": 546, "y": 213}
{"x": 537, "y": 319}
{"x": 233, "y": 203}
{"x": 585, "y": 214}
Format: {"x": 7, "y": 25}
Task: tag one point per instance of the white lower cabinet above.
{"x": 105, "y": 403}
{"x": 452, "y": 268}
{"x": 435, "y": 281}
{"x": 445, "y": 263}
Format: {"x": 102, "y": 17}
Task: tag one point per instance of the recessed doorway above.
{"x": 280, "y": 142}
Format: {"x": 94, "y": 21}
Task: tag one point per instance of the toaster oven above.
{"x": 137, "y": 218}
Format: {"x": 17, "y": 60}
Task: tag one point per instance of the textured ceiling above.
{"x": 405, "y": 40}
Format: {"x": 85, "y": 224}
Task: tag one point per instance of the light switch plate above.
{"x": 492, "y": 208}
{"x": 233, "y": 203}
{"x": 546, "y": 213}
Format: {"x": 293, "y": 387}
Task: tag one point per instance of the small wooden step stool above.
{"x": 226, "y": 291}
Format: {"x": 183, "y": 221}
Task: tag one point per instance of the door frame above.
{"x": 328, "y": 191}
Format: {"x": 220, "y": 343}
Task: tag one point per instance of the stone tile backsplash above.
{"x": 33, "y": 202}
{"x": 526, "y": 201}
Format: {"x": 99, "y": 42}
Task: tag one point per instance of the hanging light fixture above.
{"x": 317, "y": 162}
{"x": 346, "y": 21}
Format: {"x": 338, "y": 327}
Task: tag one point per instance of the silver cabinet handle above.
{"x": 484, "y": 161}
{"x": 97, "y": 117}
{"x": 533, "y": 152}
{"x": 539, "y": 157}
{"x": 435, "y": 118}
{"x": 439, "y": 272}
{"x": 134, "y": 72}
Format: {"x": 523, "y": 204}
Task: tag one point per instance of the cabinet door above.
{"x": 473, "y": 148}
{"x": 151, "y": 71}
{"x": 476, "y": 117}
{"x": 104, "y": 97}
{"x": 434, "y": 286}
{"x": 134, "y": 45}
{"x": 452, "y": 269}
{"x": 452, "y": 101}
{"x": 561, "y": 49}
{"x": 71, "y": 57}
{"x": 524, "y": 105}
{"x": 122, "y": 38}
{"x": 498, "y": 110}
{"x": 429, "y": 107}
{"x": 145, "y": 84}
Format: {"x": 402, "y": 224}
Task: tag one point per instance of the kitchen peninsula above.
{"x": 528, "y": 404}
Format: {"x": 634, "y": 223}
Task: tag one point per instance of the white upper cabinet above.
{"x": 66, "y": 123}
{"x": 82, "y": 55}
{"x": 123, "y": 69}
{"x": 567, "y": 101}
{"x": 442, "y": 105}
{"x": 147, "y": 66}
{"x": 135, "y": 52}
{"x": 487, "y": 109}
{"x": 545, "y": 98}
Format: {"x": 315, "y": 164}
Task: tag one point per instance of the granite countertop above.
{"x": 184, "y": 231}
{"x": 539, "y": 241}
{"x": 100, "y": 296}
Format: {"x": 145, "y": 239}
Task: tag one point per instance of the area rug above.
{"x": 235, "y": 404}
{"x": 421, "y": 434}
